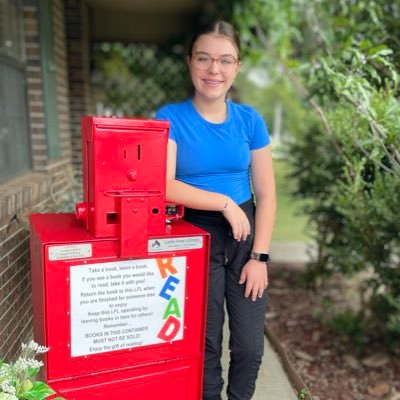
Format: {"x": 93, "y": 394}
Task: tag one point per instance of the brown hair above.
{"x": 222, "y": 28}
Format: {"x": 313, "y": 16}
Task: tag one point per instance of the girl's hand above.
{"x": 255, "y": 274}
{"x": 238, "y": 220}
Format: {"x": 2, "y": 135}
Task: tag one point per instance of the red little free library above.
{"x": 120, "y": 286}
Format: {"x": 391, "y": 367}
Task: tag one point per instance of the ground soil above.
{"x": 328, "y": 363}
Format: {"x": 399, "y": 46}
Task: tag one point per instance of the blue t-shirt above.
{"x": 215, "y": 157}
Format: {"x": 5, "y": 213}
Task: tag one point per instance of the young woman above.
{"x": 218, "y": 153}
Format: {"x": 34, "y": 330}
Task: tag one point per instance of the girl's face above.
{"x": 213, "y": 66}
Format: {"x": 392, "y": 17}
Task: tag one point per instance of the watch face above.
{"x": 264, "y": 257}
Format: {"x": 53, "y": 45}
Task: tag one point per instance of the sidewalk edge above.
{"x": 294, "y": 378}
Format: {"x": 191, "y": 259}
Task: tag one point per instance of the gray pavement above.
{"x": 273, "y": 382}
{"x": 291, "y": 252}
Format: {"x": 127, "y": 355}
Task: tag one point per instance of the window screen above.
{"x": 14, "y": 137}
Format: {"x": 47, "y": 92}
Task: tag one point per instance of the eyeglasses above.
{"x": 203, "y": 62}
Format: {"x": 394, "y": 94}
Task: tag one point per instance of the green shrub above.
{"x": 343, "y": 60}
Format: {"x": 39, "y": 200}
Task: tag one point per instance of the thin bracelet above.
{"x": 226, "y": 204}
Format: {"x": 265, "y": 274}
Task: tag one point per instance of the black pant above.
{"x": 246, "y": 317}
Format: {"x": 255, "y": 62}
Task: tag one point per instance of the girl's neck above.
{"x": 212, "y": 111}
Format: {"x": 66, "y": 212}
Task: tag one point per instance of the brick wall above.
{"x": 77, "y": 35}
{"x": 48, "y": 181}
{"x": 35, "y": 95}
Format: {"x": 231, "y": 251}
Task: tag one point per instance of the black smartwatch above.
{"x": 263, "y": 257}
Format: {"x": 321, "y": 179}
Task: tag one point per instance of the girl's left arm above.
{"x": 255, "y": 273}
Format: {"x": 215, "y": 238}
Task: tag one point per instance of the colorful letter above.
{"x": 172, "y": 323}
{"x": 172, "y": 308}
{"x": 166, "y": 264}
{"x": 169, "y": 286}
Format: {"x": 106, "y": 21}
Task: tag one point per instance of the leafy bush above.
{"x": 342, "y": 59}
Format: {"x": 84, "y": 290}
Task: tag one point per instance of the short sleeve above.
{"x": 164, "y": 113}
{"x": 260, "y": 134}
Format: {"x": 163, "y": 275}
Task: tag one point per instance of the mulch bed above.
{"x": 326, "y": 362}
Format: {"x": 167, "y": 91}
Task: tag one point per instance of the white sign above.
{"x": 71, "y": 251}
{"x": 175, "y": 243}
{"x": 124, "y": 304}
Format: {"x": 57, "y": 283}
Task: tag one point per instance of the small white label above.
{"x": 176, "y": 243}
{"x": 70, "y": 252}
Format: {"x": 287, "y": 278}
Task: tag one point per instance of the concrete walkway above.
{"x": 273, "y": 382}
{"x": 291, "y": 252}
